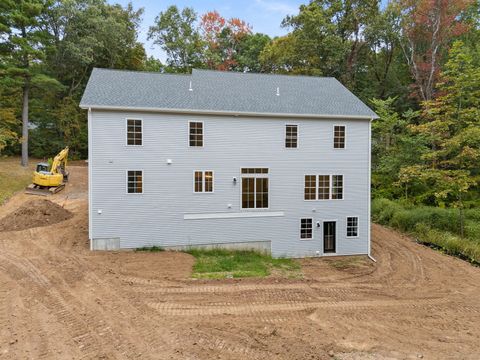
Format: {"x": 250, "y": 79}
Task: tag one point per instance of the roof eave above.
{"x": 228, "y": 113}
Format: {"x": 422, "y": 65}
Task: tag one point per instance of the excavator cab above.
{"x": 42, "y": 168}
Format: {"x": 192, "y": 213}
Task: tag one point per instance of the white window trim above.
{"x": 126, "y": 182}
{"x": 331, "y": 187}
{"x": 316, "y": 187}
{"x": 203, "y": 182}
{"x": 285, "y": 136}
{"x": 313, "y": 229}
{"x": 333, "y": 138}
{"x": 203, "y": 134}
{"x": 255, "y": 176}
{"x": 358, "y": 226}
{"x": 126, "y": 132}
{"x": 317, "y": 181}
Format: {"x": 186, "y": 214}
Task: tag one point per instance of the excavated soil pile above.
{"x": 34, "y": 213}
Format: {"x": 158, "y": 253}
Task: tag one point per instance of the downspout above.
{"x": 369, "y": 188}
{"x": 90, "y": 144}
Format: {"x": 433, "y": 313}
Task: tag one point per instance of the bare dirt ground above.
{"x": 60, "y": 301}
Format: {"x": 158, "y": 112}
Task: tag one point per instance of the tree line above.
{"x": 415, "y": 62}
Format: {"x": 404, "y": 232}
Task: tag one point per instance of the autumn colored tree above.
{"x": 223, "y": 38}
{"x": 426, "y": 30}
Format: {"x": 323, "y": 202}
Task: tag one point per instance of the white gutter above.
{"x": 227, "y": 113}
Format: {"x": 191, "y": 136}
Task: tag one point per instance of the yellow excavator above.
{"x": 48, "y": 179}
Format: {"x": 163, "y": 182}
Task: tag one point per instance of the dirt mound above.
{"x": 34, "y": 213}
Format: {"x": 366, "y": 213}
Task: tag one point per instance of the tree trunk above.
{"x": 462, "y": 217}
{"x": 26, "y": 90}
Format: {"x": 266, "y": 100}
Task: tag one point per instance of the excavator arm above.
{"x": 59, "y": 163}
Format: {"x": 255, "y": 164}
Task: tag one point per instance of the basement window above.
{"x": 203, "y": 182}
{"x": 339, "y": 137}
{"x": 291, "y": 136}
{"x": 135, "y": 181}
{"x": 196, "y": 133}
{"x": 306, "y": 229}
{"x": 352, "y": 226}
{"x": 134, "y": 132}
{"x": 254, "y": 188}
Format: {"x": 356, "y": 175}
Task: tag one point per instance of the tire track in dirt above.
{"x": 91, "y": 335}
{"x": 254, "y": 308}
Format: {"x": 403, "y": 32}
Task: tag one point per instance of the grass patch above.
{"x": 221, "y": 263}
{"x": 14, "y": 177}
{"x": 150, "y": 248}
{"x": 438, "y": 228}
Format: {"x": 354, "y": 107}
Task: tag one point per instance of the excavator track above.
{"x": 33, "y": 189}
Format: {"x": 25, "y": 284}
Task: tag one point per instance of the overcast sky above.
{"x": 264, "y": 16}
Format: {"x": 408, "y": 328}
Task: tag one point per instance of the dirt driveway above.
{"x": 60, "y": 301}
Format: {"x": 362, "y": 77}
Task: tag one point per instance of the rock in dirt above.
{"x": 35, "y": 213}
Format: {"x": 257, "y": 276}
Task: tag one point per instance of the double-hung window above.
{"x": 254, "y": 188}
{"x": 306, "y": 228}
{"x": 203, "y": 182}
{"x": 352, "y": 226}
{"x": 337, "y": 187}
{"x": 134, "y": 132}
{"x": 339, "y": 137}
{"x": 310, "y": 187}
{"x": 195, "y": 129}
{"x": 323, "y": 187}
{"x": 135, "y": 181}
{"x": 291, "y": 136}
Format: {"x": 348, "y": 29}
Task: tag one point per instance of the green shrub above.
{"x": 383, "y": 210}
{"x": 435, "y": 227}
{"x": 151, "y": 248}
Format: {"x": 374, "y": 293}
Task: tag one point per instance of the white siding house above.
{"x": 278, "y": 163}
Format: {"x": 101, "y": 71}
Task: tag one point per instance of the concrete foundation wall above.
{"x": 106, "y": 244}
{"x": 262, "y": 246}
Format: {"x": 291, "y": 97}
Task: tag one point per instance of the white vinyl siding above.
{"x": 168, "y": 213}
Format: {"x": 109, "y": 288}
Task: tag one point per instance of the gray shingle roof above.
{"x": 222, "y": 92}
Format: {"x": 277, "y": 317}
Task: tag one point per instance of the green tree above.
{"x": 249, "y": 49}
{"x": 177, "y": 34}
{"x": 394, "y": 146}
{"x": 329, "y": 34}
{"x": 24, "y": 42}
{"x": 451, "y": 123}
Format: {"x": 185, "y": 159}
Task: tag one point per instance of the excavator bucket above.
{"x": 33, "y": 189}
